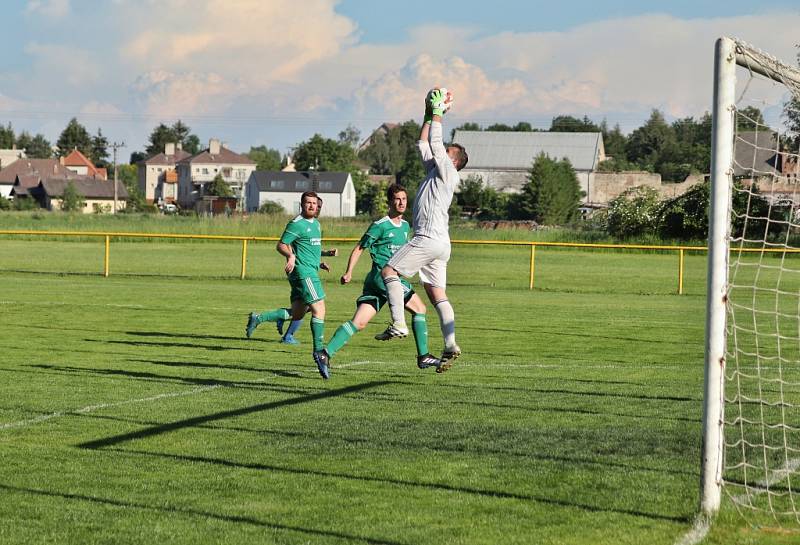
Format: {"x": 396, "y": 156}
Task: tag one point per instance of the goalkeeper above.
{"x": 382, "y": 238}
{"x": 428, "y": 252}
{"x": 301, "y": 245}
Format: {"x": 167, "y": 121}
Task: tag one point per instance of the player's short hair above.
{"x": 309, "y": 194}
{"x": 462, "y": 157}
{"x": 393, "y": 190}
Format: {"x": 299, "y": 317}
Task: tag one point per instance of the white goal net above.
{"x": 756, "y": 413}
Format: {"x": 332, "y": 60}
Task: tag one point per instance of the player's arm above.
{"x": 355, "y": 255}
{"x": 286, "y": 251}
{"x": 423, "y": 143}
{"x": 444, "y": 165}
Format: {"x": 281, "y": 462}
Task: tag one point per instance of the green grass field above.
{"x": 133, "y": 410}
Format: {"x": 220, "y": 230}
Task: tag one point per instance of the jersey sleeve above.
{"x": 444, "y": 165}
{"x": 290, "y": 234}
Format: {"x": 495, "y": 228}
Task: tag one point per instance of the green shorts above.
{"x": 374, "y": 291}
{"x": 308, "y": 289}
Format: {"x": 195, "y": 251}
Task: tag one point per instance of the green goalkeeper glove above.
{"x": 437, "y": 102}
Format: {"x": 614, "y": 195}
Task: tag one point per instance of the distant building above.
{"x": 80, "y": 164}
{"x": 383, "y": 130}
{"x": 285, "y": 188}
{"x": 31, "y": 171}
{"x": 8, "y": 156}
{"x": 199, "y": 170}
{"x": 504, "y": 159}
{"x": 98, "y": 195}
{"x": 157, "y": 176}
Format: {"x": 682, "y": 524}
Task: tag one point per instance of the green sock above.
{"x": 341, "y": 336}
{"x": 318, "y": 333}
{"x": 419, "y": 325}
{"x": 274, "y": 315}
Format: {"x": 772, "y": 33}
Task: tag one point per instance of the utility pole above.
{"x": 115, "y": 146}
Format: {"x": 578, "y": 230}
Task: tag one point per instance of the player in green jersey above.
{"x": 301, "y": 245}
{"x": 382, "y": 238}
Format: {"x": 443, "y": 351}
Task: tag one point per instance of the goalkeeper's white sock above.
{"x": 394, "y": 290}
{"x": 447, "y": 321}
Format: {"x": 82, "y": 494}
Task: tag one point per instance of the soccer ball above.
{"x": 448, "y": 100}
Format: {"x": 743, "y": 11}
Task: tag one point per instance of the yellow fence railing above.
{"x": 107, "y": 236}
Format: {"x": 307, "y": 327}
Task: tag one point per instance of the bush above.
{"x": 686, "y": 216}
{"x": 635, "y": 212}
{"x": 271, "y": 207}
{"x": 5, "y": 204}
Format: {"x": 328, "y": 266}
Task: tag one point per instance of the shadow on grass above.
{"x": 194, "y": 365}
{"x": 143, "y": 375}
{"x": 384, "y": 442}
{"x": 197, "y": 420}
{"x": 197, "y": 336}
{"x": 409, "y": 483}
{"x": 166, "y": 344}
{"x": 170, "y": 510}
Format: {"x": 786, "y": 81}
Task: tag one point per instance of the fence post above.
{"x": 533, "y": 256}
{"x": 680, "y": 272}
{"x": 244, "y": 258}
{"x": 105, "y": 259}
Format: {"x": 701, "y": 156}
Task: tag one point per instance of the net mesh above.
{"x": 761, "y": 469}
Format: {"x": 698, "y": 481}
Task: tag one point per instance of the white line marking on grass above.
{"x": 92, "y": 408}
{"x": 697, "y": 533}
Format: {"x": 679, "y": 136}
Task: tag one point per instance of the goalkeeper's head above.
{"x": 458, "y": 155}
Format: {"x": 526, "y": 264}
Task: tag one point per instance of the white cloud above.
{"x": 167, "y": 94}
{"x": 49, "y": 8}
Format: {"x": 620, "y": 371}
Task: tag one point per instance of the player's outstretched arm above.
{"x": 355, "y": 255}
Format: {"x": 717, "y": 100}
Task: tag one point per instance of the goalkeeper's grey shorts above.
{"x": 426, "y": 256}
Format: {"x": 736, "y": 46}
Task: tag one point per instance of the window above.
{"x": 303, "y": 184}
{"x": 326, "y": 185}
{"x": 205, "y": 171}
{"x": 226, "y": 171}
{"x": 276, "y": 184}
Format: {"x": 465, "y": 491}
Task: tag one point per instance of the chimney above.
{"x": 179, "y": 146}
{"x": 60, "y": 160}
{"x": 169, "y": 148}
{"x": 213, "y": 146}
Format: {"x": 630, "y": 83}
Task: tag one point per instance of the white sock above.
{"x": 447, "y": 321}
{"x": 394, "y": 290}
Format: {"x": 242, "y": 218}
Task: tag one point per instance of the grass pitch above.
{"x": 133, "y": 410}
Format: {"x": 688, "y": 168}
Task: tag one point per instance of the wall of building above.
{"x": 605, "y": 186}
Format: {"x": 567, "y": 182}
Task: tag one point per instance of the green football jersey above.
{"x": 305, "y": 238}
{"x": 383, "y": 238}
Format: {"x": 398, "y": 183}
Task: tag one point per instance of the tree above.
{"x": 271, "y": 207}
{"x": 177, "y": 133}
{"x": 567, "y": 123}
{"x": 72, "y": 200}
{"x": 791, "y": 111}
{"x": 324, "y": 154}
{"x": 647, "y": 142}
{"x": 128, "y": 176}
{"x": 36, "y": 147}
{"x": 552, "y": 194}
{"x": 74, "y": 136}
{"x": 501, "y": 127}
{"x": 613, "y": 141}
{"x": 137, "y": 156}
{"x": 99, "y": 154}
{"x": 219, "y": 187}
{"x": 388, "y": 153}
{"x": 6, "y": 137}
{"x": 635, "y": 212}
{"x": 265, "y": 158}
{"x": 750, "y": 118}
{"x": 350, "y": 136}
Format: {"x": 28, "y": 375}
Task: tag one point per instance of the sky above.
{"x": 276, "y": 72}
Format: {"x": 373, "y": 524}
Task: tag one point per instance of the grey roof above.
{"x": 225, "y": 156}
{"x": 168, "y": 160}
{"x": 517, "y": 150}
{"x": 40, "y": 167}
{"x": 88, "y": 187}
{"x": 756, "y": 152}
{"x": 297, "y": 182}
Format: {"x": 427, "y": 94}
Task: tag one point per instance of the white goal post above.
{"x": 752, "y": 341}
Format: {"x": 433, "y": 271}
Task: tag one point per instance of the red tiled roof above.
{"x": 77, "y": 159}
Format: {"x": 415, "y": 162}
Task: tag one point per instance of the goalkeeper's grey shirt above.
{"x": 436, "y": 193}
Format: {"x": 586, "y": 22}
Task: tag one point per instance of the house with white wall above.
{"x": 336, "y": 190}
{"x": 195, "y": 173}
{"x": 157, "y": 176}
